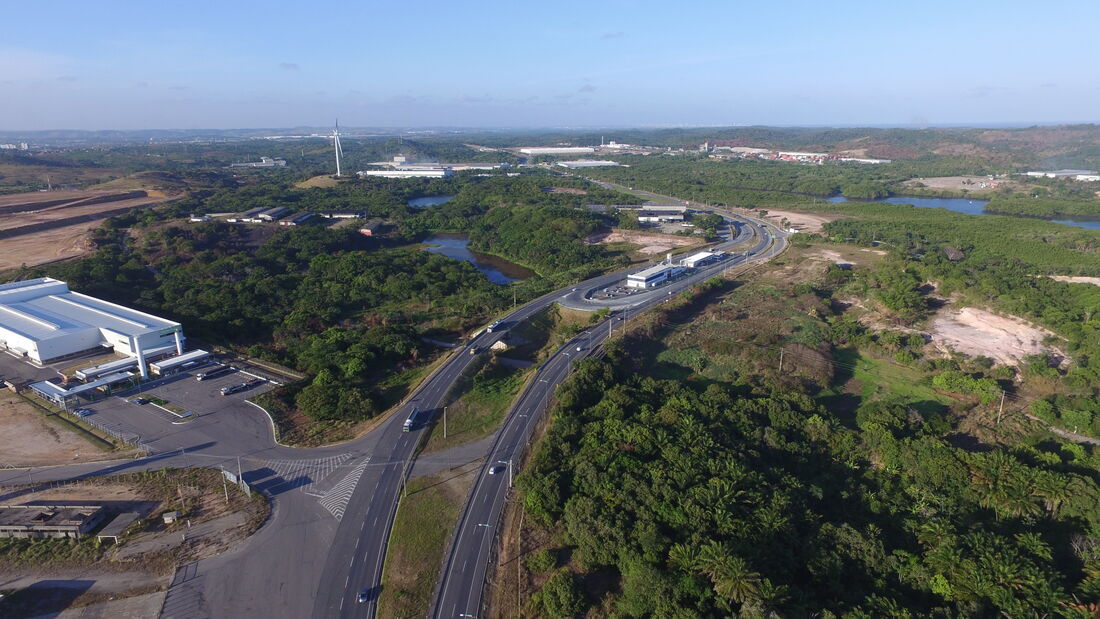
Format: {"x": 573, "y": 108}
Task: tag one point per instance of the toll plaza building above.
{"x": 41, "y": 320}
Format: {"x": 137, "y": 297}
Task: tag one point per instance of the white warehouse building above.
{"x": 41, "y": 319}
{"x": 653, "y": 276}
{"x": 557, "y": 150}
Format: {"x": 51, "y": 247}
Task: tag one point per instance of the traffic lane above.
{"x": 366, "y": 569}
{"x": 360, "y": 534}
{"x": 481, "y": 513}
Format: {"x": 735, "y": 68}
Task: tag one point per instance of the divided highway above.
{"x": 465, "y": 572}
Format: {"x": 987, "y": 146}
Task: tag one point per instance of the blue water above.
{"x": 427, "y": 201}
{"x": 496, "y": 270}
{"x": 963, "y": 205}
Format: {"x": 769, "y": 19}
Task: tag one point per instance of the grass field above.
{"x": 862, "y": 378}
{"x": 421, "y": 530}
{"x": 485, "y": 398}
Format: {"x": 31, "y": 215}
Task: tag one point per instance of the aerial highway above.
{"x": 466, "y": 568}
{"x": 353, "y": 570}
{"x": 333, "y": 507}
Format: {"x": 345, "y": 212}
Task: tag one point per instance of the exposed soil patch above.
{"x": 29, "y": 438}
{"x": 976, "y": 332}
{"x": 1073, "y": 279}
{"x": 803, "y": 222}
{"x": 648, "y": 240}
{"x": 970, "y": 184}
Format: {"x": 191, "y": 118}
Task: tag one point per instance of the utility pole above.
{"x": 1001, "y": 408}
{"x": 225, "y": 488}
{"x": 780, "y": 360}
{"x": 444, "y": 422}
{"x": 240, "y": 476}
{"x": 509, "y": 473}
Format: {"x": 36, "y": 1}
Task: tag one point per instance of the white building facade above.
{"x": 42, "y": 320}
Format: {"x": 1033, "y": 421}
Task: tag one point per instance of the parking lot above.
{"x": 144, "y": 424}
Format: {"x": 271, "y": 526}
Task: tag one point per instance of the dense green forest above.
{"x": 1048, "y": 208}
{"x": 754, "y": 183}
{"x": 684, "y": 476}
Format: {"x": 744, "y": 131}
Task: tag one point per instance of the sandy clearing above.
{"x": 59, "y": 212}
{"x": 45, "y": 246}
{"x": 972, "y": 184}
{"x": 803, "y": 222}
{"x": 27, "y": 438}
{"x": 1073, "y": 279}
{"x": 50, "y": 196}
{"x": 640, "y": 238}
{"x": 831, "y": 256}
{"x": 976, "y": 332}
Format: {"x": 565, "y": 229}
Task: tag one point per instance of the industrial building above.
{"x": 586, "y": 163}
{"x": 414, "y": 173}
{"x": 38, "y": 521}
{"x": 557, "y": 150}
{"x": 653, "y": 276}
{"x": 42, "y": 320}
{"x": 1077, "y": 175}
{"x": 264, "y": 162}
{"x": 272, "y": 214}
{"x": 371, "y": 228}
{"x": 297, "y": 220}
{"x": 702, "y": 259}
{"x": 659, "y": 216}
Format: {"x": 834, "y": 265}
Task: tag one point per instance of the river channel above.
{"x": 495, "y": 269}
{"x": 963, "y": 205}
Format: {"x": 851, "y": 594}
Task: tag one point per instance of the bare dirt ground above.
{"x": 67, "y": 240}
{"x": 87, "y": 593}
{"x": 976, "y": 332}
{"x": 1073, "y": 279}
{"x": 572, "y": 190}
{"x": 323, "y": 180}
{"x": 46, "y": 246}
{"x": 803, "y": 222}
{"x": 972, "y": 184}
{"x": 28, "y": 438}
{"x": 650, "y": 242}
{"x": 59, "y": 212}
{"x": 846, "y": 256}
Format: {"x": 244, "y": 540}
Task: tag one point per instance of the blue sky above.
{"x": 139, "y": 65}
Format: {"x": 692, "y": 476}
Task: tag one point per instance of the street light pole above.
{"x": 444, "y": 422}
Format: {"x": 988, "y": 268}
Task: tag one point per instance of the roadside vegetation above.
{"x": 422, "y": 530}
{"x": 870, "y": 476}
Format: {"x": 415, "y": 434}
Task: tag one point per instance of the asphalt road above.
{"x": 333, "y": 507}
{"x": 354, "y": 566}
{"x": 462, "y": 583}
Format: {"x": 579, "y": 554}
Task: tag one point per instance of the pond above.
{"x": 962, "y": 205}
{"x": 497, "y": 270}
{"x": 427, "y": 201}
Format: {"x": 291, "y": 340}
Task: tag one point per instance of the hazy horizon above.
{"x": 208, "y": 66}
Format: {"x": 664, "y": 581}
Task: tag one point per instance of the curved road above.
{"x": 462, "y": 583}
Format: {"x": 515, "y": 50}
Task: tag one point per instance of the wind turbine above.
{"x": 336, "y": 145}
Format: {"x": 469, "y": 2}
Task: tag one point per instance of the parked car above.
{"x": 140, "y": 400}
{"x": 83, "y": 412}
